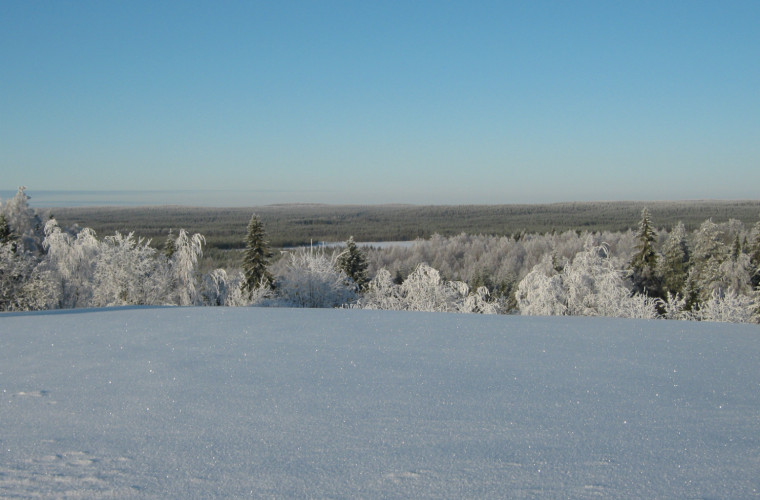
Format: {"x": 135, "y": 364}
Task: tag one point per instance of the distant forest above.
{"x": 295, "y": 225}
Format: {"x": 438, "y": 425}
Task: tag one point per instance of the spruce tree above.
{"x": 169, "y": 245}
{"x": 353, "y": 262}
{"x": 673, "y": 267}
{"x": 644, "y": 261}
{"x": 256, "y": 257}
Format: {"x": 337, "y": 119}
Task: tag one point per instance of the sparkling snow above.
{"x": 255, "y": 402}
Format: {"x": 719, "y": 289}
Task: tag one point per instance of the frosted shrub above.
{"x": 220, "y": 289}
{"x": 215, "y": 288}
{"x": 674, "y": 307}
{"x": 381, "y": 293}
{"x": 478, "y": 302}
{"x": 638, "y": 307}
{"x": 311, "y": 279}
{"x": 729, "y": 307}
{"x": 261, "y": 295}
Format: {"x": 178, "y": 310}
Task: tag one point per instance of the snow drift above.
{"x": 256, "y": 402}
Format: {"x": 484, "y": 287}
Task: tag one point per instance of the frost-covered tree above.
{"x": 381, "y": 293}
{"x": 183, "y": 265}
{"x": 541, "y": 292}
{"x": 127, "y": 272}
{"x": 19, "y": 281}
{"x": 594, "y": 286}
{"x": 425, "y": 290}
{"x": 70, "y": 260}
{"x": 353, "y": 262}
{"x": 590, "y": 285}
{"x": 734, "y": 273}
{"x": 673, "y": 267}
{"x": 644, "y": 261}
{"x": 312, "y": 279}
{"x": 256, "y": 257}
{"x": 709, "y": 252}
{"x": 16, "y": 270}
{"x": 37, "y": 292}
{"x": 24, "y": 222}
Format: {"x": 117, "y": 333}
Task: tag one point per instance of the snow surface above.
{"x": 255, "y": 402}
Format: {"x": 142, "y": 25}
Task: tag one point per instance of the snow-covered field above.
{"x": 256, "y": 402}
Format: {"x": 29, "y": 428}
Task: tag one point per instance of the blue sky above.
{"x": 375, "y": 102}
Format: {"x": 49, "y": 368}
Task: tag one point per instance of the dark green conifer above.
{"x": 353, "y": 262}
{"x": 256, "y": 257}
{"x": 644, "y": 261}
{"x": 169, "y": 245}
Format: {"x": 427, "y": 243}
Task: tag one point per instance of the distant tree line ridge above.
{"x": 298, "y": 225}
{"x": 710, "y": 272}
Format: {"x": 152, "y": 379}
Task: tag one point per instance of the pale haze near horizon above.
{"x": 395, "y": 102}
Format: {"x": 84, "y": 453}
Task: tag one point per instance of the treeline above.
{"x": 296, "y": 225}
{"x": 709, "y": 273}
